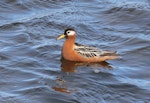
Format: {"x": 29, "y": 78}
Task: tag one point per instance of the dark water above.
{"x": 30, "y": 66}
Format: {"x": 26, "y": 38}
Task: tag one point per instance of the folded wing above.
{"x": 90, "y": 52}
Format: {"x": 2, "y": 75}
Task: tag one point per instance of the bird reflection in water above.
{"x": 69, "y": 67}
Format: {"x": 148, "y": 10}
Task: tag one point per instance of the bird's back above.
{"x": 94, "y": 54}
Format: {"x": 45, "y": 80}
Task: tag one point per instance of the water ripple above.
{"x": 31, "y": 68}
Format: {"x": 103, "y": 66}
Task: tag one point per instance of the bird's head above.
{"x": 67, "y": 33}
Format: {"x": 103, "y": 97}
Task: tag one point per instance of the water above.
{"x": 30, "y": 65}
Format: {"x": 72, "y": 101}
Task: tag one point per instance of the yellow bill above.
{"x": 61, "y": 36}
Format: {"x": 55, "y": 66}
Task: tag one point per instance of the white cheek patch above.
{"x": 71, "y": 33}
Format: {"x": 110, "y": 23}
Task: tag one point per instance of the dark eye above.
{"x": 68, "y": 32}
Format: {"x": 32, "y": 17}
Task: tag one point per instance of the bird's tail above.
{"x": 110, "y": 53}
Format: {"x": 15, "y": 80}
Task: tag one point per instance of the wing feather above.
{"x": 89, "y": 51}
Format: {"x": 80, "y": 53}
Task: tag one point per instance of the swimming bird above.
{"x": 81, "y": 53}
